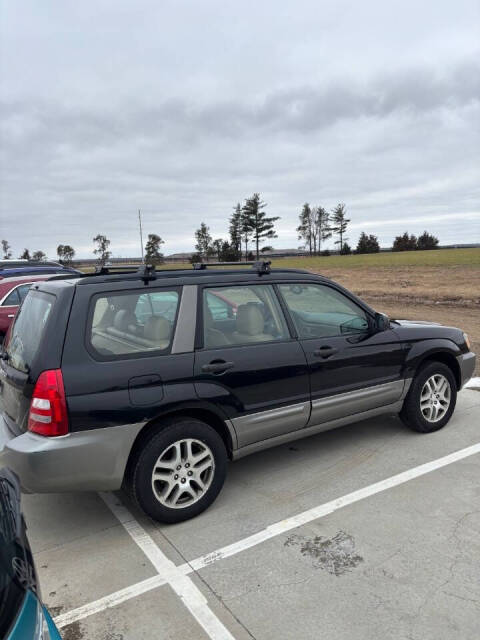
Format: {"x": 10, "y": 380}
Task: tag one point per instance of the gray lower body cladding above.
{"x": 338, "y": 410}
{"x": 81, "y": 461}
{"x": 96, "y": 459}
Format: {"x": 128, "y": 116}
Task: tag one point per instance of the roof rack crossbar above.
{"x": 260, "y": 266}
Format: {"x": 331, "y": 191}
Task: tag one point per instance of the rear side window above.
{"x": 28, "y": 329}
{"x": 12, "y": 300}
{"x": 133, "y": 323}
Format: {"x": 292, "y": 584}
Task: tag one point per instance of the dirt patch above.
{"x": 449, "y": 285}
{"x": 73, "y": 631}
{"x": 335, "y": 555}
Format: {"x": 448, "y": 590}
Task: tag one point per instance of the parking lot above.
{"x": 369, "y": 531}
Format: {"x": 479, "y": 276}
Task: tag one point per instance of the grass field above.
{"x": 438, "y": 258}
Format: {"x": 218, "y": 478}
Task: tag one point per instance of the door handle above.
{"x": 325, "y": 352}
{"x": 217, "y": 367}
{"x": 10, "y": 315}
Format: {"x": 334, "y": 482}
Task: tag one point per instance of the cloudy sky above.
{"x": 184, "y": 107}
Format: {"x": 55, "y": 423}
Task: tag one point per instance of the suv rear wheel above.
{"x": 179, "y": 471}
{"x": 431, "y": 399}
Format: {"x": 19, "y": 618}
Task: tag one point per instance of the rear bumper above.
{"x": 91, "y": 460}
{"x": 466, "y": 362}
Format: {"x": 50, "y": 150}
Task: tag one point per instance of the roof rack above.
{"x": 260, "y": 266}
{"x": 145, "y": 271}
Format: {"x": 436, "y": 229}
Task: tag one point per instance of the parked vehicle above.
{"x": 32, "y": 268}
{"x": 12, "y": 293}
{"x": 141, "y": 379}
{"x": 22, "y": 614}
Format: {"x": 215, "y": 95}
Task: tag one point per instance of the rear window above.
{"x": 133, "y": 323}
{"x": 28, "y": 328}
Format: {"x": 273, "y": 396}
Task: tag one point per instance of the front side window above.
{"x": 320, "y": 311}
{"x": 247, "y": 314}
{"x": 132, "y": 323}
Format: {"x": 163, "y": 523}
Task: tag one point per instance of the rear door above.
{"x": 122, "y": 359}
{"x": 352, "y": 368}
{"x": 248, "y": 363}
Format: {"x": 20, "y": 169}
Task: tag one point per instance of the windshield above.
{"x": 28, "y": 328}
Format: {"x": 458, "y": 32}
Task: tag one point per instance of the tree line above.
{"x": 249, "y": 227}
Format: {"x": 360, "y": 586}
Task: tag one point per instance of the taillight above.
{"x": 48, "y": 409}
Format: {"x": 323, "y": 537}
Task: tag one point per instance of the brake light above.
{"x": 48, "y": 408}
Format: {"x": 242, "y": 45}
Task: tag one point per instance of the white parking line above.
{"x": 107, "y": 602}
{"x": 329, "y": 507}
{"x": 183, "y": 586}
{"x": 146, "y": 542}
{"x": 473, "y": 383}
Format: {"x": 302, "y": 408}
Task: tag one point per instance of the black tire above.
{"x": 411, "y": 413}
{"x": 140, "y": 478}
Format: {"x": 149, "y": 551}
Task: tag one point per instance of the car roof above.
{"x": 129, "y": 279}
{"x": 31, "y": 270}
{"x": 14, "y": 280}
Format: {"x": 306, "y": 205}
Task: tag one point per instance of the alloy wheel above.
{"x": 183, "y": 473}
{"x": 435, "y": 398}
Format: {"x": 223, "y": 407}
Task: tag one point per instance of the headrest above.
{"x": 123, "y": 318}
{"x": 157, "y": 329}
{"x": 249, "y": 320}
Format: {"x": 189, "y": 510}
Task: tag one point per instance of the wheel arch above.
{"x": 206, "y": 414}
{"x": 445, "y": 357}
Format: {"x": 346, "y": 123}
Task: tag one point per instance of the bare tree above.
{"x": 7, "y": 254}
{"x": 102, "y": 251}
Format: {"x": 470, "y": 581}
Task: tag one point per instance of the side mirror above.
{"x": 382, "y": 322}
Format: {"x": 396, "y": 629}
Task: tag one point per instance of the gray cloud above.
{"x": 140, "y": 108}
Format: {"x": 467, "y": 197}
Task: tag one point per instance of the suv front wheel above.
{"x": 431, "y": 398}
{"x": 179, "y": 471}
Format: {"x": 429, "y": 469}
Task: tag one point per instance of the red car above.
{"x": 12, "y": 292}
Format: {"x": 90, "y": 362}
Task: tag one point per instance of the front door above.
{"x": 249, "y": 364}
{"x": 352, "y": 368}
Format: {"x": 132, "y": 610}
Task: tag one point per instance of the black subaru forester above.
{"x": 154, "y": 379}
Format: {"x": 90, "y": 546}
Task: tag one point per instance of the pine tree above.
{"x": 405, "y": 242}
{"x": 217, "y": 247}
{"x": 152, "y": 249}
{"x": 257, "y": 221}
{"x": 367, "y": 244}
{"x": 236, "y": 230}
{"x": 306, "y": 228}
{"x": 322, "y": 228}
{"x": 204, "y": 241}
{"x": 339, "y": 223}
{"x": 427, "y": 241}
